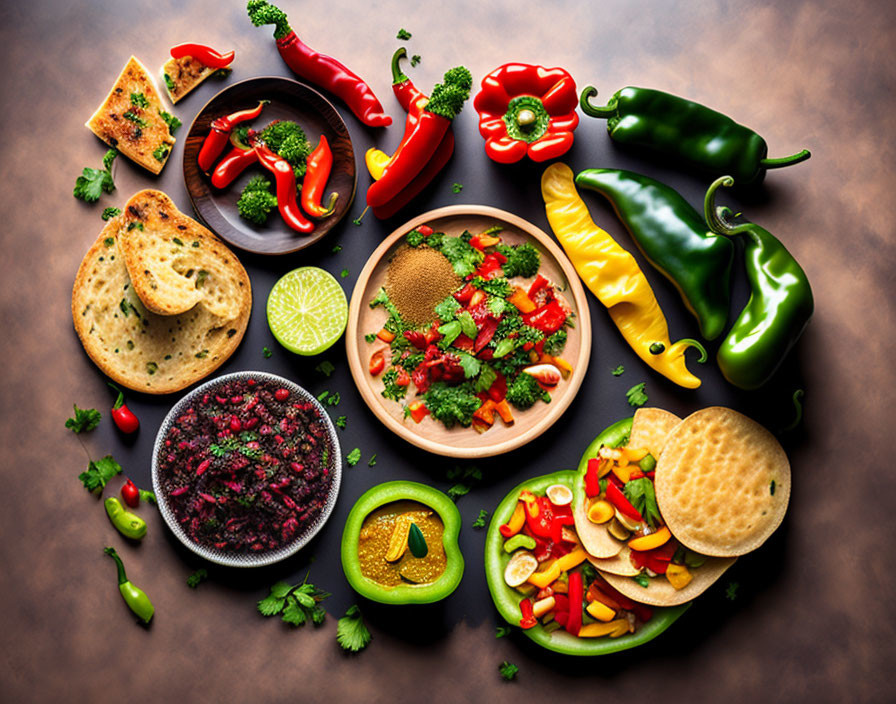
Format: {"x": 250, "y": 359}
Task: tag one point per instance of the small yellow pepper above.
{"x": 614, "y": 629}
{"x": 678, "y": 575}
{"x": 613, "y": 275}
{"x": 651, "y": 541}
{"x": 601, "y": 512}
{"x": 601, "y": 611}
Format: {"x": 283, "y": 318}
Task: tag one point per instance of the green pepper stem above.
{"x": 711, "y": 213}
{"x": 119, "y": 402}
{"x": 783, "y": 161}
{"x": 798, "y": 410}
{"x": 122, "y": 576}
{"x": 604, "y": 111}
{"x": 397, "y": 74}
{"x": 690, "y": 342}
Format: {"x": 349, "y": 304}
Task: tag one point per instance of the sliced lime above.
{"x": 307, "y": 310}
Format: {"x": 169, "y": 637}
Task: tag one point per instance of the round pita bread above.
{"x": 660, "y": 591}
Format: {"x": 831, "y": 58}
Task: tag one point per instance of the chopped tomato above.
{"x": 549, "y": 318}
{"x": 377, "y": 363}
{"x": 418, "y": 411}
{"x": 425, "y": 230}
{"x": 491, "y": 266}
{"x": 432, "y": 335}
{"x": 486, "y": 354}
{"x": 420, "y": 377}
{"x": 465, "y": 294}
{"x": 656, "y": 560}
{"x": 486, "y": 333}
{"x": 403, "y": 379}
{"x": 417, "y": 339}
{"x": 541, "y": 291}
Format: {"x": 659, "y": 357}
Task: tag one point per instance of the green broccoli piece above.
{"x": 289, "y": 141}
{"x": 448, "y": 98}
{"x": 261, "y": 12}
{"x": 525, "y": 391}
{"x": 452, "y": 404}
{"x": 522, "y": 260}
{"x": 555, "y": 343}
{"x": 256, "y": 201}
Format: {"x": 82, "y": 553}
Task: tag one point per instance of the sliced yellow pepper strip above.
{"x": 678, "y": 575}
{"x": 597, "y": 630}
{"x": 601, "y": 611}
{"x": 571, "y": 559}
{"x": 613, "y": 275}
{"x": 543, "y": 579}
{"x": 651, "y": 541}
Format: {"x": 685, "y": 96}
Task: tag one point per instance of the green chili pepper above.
{"x": 133, "y": 596}
{"x": 780, "y": 304}
{"x": 674, "y": 239}
{"x": 130, "y": 525}
{"x": 520, "y": 540}
{"x": 687, "y": 130}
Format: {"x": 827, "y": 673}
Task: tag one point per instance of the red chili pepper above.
{"x": 417, "y": 339}
{"x": 221, "y": 128}
{"x": 130, "y": 494}
{"x": 404, "y": 89}
{"x": 528, "y": 619}
{"x": 124, "y": 419}
{"x": 549, "y": 318}
{"x": 203, "y": 54}
{"x": 319, "y": 165}
{"x": 286, "y": 189}
{"x": 617, "y": 498}
{"x": 377, "y": 363}
{"x": 486, "y": 332}
{"x": 318, "y": 68}
{"x": 576, "y": 596}
{"x": 592, "y": 482}
{"x": 232, "y": 165}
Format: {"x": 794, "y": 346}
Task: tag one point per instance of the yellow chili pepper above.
{"x": 613, "y": 275}
{"x": 571, "y": 559}
{"x": 515, "y": 524}
{"x": 651, "y": 541}
{"x": 614, "y": 629}
{"x": 543, "y": 579}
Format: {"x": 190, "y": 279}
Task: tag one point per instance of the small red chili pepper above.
{"x": 319, "y": 165}
{"x": 203, "y": 54}
{"x": 219, "y": 135}
{"x": 319, "y": 68}
{"x": 124, "y": 419}
{"x": 576, "y": 596}
{"x": 617, "y": 498}
{"x": 286, "y": 189}
{"x": 528, "y": 619}
{"x": 232, "y": 165}
{"x": 592, "y": 482}
{"x": 404, "y": 89}
{"x": 130, "y": 494}
{"x": 549, "y": 318}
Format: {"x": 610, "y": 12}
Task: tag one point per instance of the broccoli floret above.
{"x": 498, "y": 286}
{"x": 448, "y": 98}
{"x": 261, "y": 12}
{"x": 452, "y": 404}
{"x": 525, "y": 391}
{"x": 256, "y": 201}
{"x": 522, "y": 260}
{"x": 555, "y": 343}
{"x": 289, "y": 141}
{"x": 392, "y": 390}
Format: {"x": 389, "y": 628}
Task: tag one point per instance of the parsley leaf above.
{"x": 618, "y": 371}
{"x": 326, "y": 368}
{"x": 731, "y": 591}
{"x": 641, "y": 494}
{"x": 85, "y": 420}
{"x": 482, "y": 520}
{"x": 372, "y": 461}
{"x": 508, "y": 670}
{"x": 351, "y": 632}
{"x": 447, "y": 309}
{"x": 195, "y": 579}
{"x": 172, "y": 122}
{"x": 340, "y": 422}
{"x": 353, "y": 457}
{"x": 266, "y": 352}
{"x": 502, "y": 631}
{"x": 457, "y": 187}
{"x": 468, "y": 477}
{"x": 343, "y": 273}
{"x": 139, "y": 100}
{"x": 98, "y": 473}
{"x": 636, "y": 396}
{"x": 329, "y": 399}
{"x": 415, "y": 59}
{"x": 92, "y": 183}
{"x": 370, "y": 337}
{"x": 357, "y": 220}
{"x": 403, "y": 34}
{"x": 464, "y": 258}
{"x": 295, "y": 604}
{"x": 336, "y": 248}
{"x": 109, "y": 213}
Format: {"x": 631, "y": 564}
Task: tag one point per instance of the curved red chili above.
{"x": 285, "y": 179}
{"x": 219, "y": 135}
{"x": 319, "y": 164}
{"x": 404, "y": 89}
{"x": 126, "y": 421}
{"x": 203, "y": 54}
{"x": 232, "y": 166}
{"x": 319, "y": 68}
{"x": 130, "y": 494}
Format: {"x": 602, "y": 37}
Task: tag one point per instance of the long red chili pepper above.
{"x": 203, "y": 54}
{"x": 286, "y": 189}
{"x": 232, "y": 165}
{"x": 319, "y": 68}
{"x": 592, "y": 482}
{"x": 220, "y": 134}
{"x": 319, "y": 164}
{"x": 576, "y": 596}
{"x": 404, "y": 89}
{"x": 528, "y": 619}
{"x": 126, "y": 421}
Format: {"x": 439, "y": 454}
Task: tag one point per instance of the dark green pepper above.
{"x": 130, "y": 525}
{"x": 687, "y": 130}
{"x": 674, "y": 239}
{"x": 133, "y": 596}
{"x": 780, "y": 304}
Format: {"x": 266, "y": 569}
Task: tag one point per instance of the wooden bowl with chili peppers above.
{"x": 216, "y": 190}
{"x": 454, "y": 376}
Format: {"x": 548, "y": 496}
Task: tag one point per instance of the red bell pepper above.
{"x": 491, "y": 265}
{"x": 561, "y": 608}
{"x": 417, "y": 339}
{"x": 486, "y": 332}
{"x": 617, "y": 498}
{"x": 465, "y": 294}
{"x": 203, "y": 54}
{"x": 527, "y": 110}
{"x": 418, "y": 410}
{"x": 219, "y": 135}
{"x": 592, "y": 481}
{"x": 549, "y": 318}
{"x": 528, "y": 619}
{"x": 576, "y": 596}
{"x": 498, "y": 390}
{"x": 539, "y": 515}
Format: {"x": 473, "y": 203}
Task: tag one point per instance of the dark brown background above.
{"x": 813, "y": 618}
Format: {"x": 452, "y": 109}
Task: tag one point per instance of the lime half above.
{"x": 307, "y": 310}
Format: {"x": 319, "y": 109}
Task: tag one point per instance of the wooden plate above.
{"x": 290, "y": 100}
{"x": 430, "y": 434}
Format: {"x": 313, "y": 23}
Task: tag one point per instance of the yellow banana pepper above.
{"x": 376, "y": 161}
{"x": 613, "y": 275}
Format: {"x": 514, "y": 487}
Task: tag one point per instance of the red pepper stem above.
{"x": 604, "y": 111}
{"x": 119, "y": 402}
{"x": 783, "y": 161}
{"x": 397, "y": 74}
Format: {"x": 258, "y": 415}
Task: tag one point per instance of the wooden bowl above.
{"x": 430, "y": 434}
{"x": 290, "y": 100}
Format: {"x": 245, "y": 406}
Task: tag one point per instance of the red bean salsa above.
{"x": 244, "y": 467}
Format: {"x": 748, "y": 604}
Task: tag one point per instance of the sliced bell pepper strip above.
{"x": 515, "y": 524}
{"x": 651, "y": 541}
{"x": 601, "y": 611}
{"x": 503, "y": 409}
{"x": 528, "y": 619}
{"x": 614, "y": 629}
{"x": 617, "y": 498}
{"x": 549, "y": 318}
{"x": 527, "y": 542}
{"x": 592, "y": 481}
{"x": 377, "y": 363}
{"x": 386, "y": 335}
{"x": 319, "y": 164}
{"x": 576, "y": 597}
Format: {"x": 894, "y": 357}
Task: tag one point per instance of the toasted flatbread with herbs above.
{"x": 156, "y": 354}
{"x": 183, "y": 75}
{"x": 133, "y": 120}
{"x": 175, "y": 263}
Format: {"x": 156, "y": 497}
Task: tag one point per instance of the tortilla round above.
{"x": 722, "y": 483}
{"x": 650, "y": 428}
{"x": 660, "y": 591}
{"x": 595, "y": 538}
{"x": 620, "y": 564}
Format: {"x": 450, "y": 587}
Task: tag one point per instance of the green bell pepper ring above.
{"x": 130, "y": 525}
{"x": 685, "y": 130}
{"x": 133, "y": 596}
{"x": 507, "y": 599}
{"x": 780, "y": 304}
{"x": 381, "y": 495}
{"x": 674, "y": 239}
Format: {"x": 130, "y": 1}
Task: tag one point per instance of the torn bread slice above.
{"x": 175, "y": 263}
{"x": 132, "y": 119}
{"x": 184, "y": 74}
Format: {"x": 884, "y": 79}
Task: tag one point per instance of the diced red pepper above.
{"x": 486, "y": 333}
{"x": 424, "y": 230}
{"x": 417, "y": 339}
{"x": 420, "y": 377}
{"x": 465, "y": 294}
{"x": 617, "y": 498}
{"x": 482, "y": 241}
{"x": 377, "y": 363}
{"x": 656, "y": 560}
{"x": 486, "y": 354}
{"x": 528, "y": 619}
{"x": 462, "y": 342}
{"x": 561, "y": 608}
{"x": 576, "y": 597}
{"x": 538, "y": 517}
{"x": 592, "y": 482}
{"x": 538, "y": 285}
{"x": 498, "y": 390}
{"x": 549, "y": 318}
{"x": 403, "y": 379}
{"x": 491, "y": 265}
{"x": 418, "y": 410}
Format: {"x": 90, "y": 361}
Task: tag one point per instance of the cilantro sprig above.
{"x": 467, "y": 477}
{"x": 482, "y": 519}
{"x": 351, "y": 632}
{"x": 84, "y": 420}
{"x": 195, "y": 579}
{"x": 98, "y": 473}
{"x": 92, "y": 183}
{"x": 636, "y": 396}
{"x": 508, "y": 671}
{"x": 641, "y": 494}
{"x": 295, "y": 604}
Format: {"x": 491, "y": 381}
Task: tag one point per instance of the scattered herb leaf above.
{"x": 618, "y": 371}
{"x": 92, "y": 183}
{"x": 337, "y": 248}
{"x": 295, "y": 604}
{"x": 357, "y": 221}
{"x": 109, "y": 213}
{"x": 457, "y": 187}
{"x": 731, "y": 591}
{"x": 343, "y": 273}
{"x": 508, "y": 670}
{"x": 266, "y": 352}
{"x": 415, "y": 59}
{"x": 98, "y": 473}
{"x": 326, "y": 368}
{"x": 372, "y": 461}
{"x": 370, "y": 337}
{"x": 643, "y": 580}
{"x": 340, "y": 422}
{"x": 636, "y": 396}
{"x": 482, "y": 519}
{"x": 403, "y": 34}
{"x": 502, "y": 631}
{"x": 641, "y": 494}
{"x": 353, "y": 457}
{"x": 195, "y": 579}
{"x": 351, "y": 632}
{"x": 85, "y": 420}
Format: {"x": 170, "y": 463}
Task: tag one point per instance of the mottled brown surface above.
{"x": 813, "y": 619}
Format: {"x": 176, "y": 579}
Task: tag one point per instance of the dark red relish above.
{"x": 244, "y": 467}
